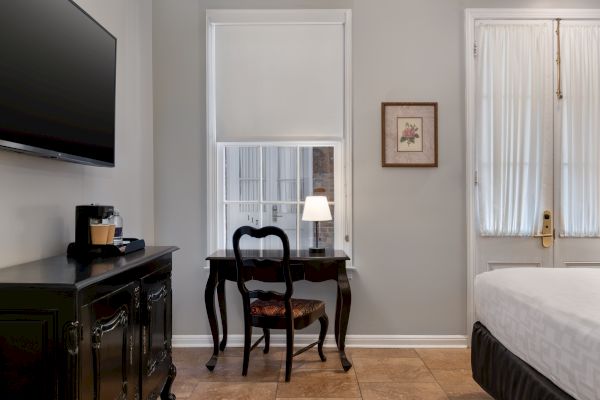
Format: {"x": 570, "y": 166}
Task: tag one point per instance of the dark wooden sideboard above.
{"x": 98, "y": 330}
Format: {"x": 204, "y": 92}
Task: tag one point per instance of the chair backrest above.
{"x": 276, "y": 266}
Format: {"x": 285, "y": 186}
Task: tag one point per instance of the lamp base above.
{"x": 316, "y": 250}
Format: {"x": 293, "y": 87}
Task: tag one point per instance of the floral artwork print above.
{"x": 410, "y": 136}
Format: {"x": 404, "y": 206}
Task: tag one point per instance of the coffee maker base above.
{"x": 129, "y": 245}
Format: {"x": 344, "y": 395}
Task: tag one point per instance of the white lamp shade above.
{"x": 316, "y": 208}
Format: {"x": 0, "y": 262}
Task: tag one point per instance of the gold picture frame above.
{"x": 409, "y": 134}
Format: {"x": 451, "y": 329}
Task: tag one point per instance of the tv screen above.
{"x": 57, "y": 82}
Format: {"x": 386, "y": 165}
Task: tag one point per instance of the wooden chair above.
{"x": 274, "y": 310}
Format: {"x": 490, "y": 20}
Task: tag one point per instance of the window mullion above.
{"x": 260, "y": 189}
{"x": 298, "y": 197}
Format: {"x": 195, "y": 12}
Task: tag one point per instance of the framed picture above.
{"x": 409, "y": 135}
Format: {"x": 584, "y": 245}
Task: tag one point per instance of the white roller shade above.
{"x": 279, "y": 81}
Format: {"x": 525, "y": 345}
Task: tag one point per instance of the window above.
{"x": 266, "y": 184}
{"x": 278, "y": 122}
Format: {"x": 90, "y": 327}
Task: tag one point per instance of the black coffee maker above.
{"x": 84, "y": 215}
{"x": 83, "y": 248}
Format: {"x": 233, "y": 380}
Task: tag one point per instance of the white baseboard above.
{"x": 371, "y": 341}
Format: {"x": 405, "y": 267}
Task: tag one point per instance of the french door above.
{"x": 536, "y": 143}
{"x": 577, "y": 145}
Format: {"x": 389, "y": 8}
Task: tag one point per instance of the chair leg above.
{"x": 267, "y": 334}
{"x": 247, "y": 344}
{"x": 324, "y": 325}
{"x": 289, "y": 347}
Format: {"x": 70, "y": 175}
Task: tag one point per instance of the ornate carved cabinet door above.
{"x": 109, "y": 360}
{"x": 27, "y": 341}
{"x": 156, "y": 332}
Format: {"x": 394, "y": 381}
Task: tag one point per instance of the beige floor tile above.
{"x": 183, "y": 386}
{"x": 229, "y": 369}
{"x": 402, "y": 391}
{"x": 472, "y": 396}
{"x": 446, "y": 358}
{"x": 380, "y": 353}
{"x": 392, "y": 370}
{"x": 274, "y": 352}
{"x": 184, "y": 372}
{"x": 311, "y": 360}
{"x": 190, "y": 356}
{"x": 383, "y": 374}
{"x": 320, "y": 384}
{"x": 459, "y": 384}
{"x": 237, "y": 390}
{"x": 200, "y": 355}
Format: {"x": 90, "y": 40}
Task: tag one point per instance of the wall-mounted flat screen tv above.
{"x": 57, "y": 82}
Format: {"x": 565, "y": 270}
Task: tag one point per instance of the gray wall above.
{"x": 409, "y": 224}
{"x": 38, "y": 196}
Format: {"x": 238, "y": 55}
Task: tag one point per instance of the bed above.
{"x": 538, "y": 333}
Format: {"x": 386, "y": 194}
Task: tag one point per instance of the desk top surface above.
{"x": 295, "y": 255}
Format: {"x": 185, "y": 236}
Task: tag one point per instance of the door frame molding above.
{"x": 472, "y": 15}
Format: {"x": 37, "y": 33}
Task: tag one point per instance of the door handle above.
{"x": 547, "y": 234}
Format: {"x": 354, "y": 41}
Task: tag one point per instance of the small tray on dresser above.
{"x": 106, "y": 250}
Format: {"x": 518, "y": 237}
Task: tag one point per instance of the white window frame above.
{"x": 342, "y": 147}
{"x": 471, "y": 16}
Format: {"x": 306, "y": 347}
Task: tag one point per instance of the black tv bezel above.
{"x": 57, "y": 155}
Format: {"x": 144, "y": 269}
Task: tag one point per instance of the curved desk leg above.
{"x": 343, "y": 310}
{"x": 209, "y": 300}
{"x": 222, "y": 311}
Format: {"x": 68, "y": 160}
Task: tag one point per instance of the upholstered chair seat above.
{"x": 276, "y": 309}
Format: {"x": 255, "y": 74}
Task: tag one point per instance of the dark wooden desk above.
{"x": 304, "y": 266}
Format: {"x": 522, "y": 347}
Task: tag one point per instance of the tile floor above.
{"x": 407, "y": 374}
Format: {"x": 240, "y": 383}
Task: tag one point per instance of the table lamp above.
{"x": 316, "y": 209}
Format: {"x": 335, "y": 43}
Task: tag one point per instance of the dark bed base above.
{"x": 505, "y": 376}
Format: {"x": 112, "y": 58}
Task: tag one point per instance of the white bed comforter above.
{"x": 548, "y": 317}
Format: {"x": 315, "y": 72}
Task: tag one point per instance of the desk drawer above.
{"x": 271, "y": 275}
{"x": 319, "y": 271}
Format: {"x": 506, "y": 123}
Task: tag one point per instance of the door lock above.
{"x": 547, "y": 234}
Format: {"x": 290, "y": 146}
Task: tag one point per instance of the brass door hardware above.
{"x": 547, "y": 234}
{"x": 559, "y": 93}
